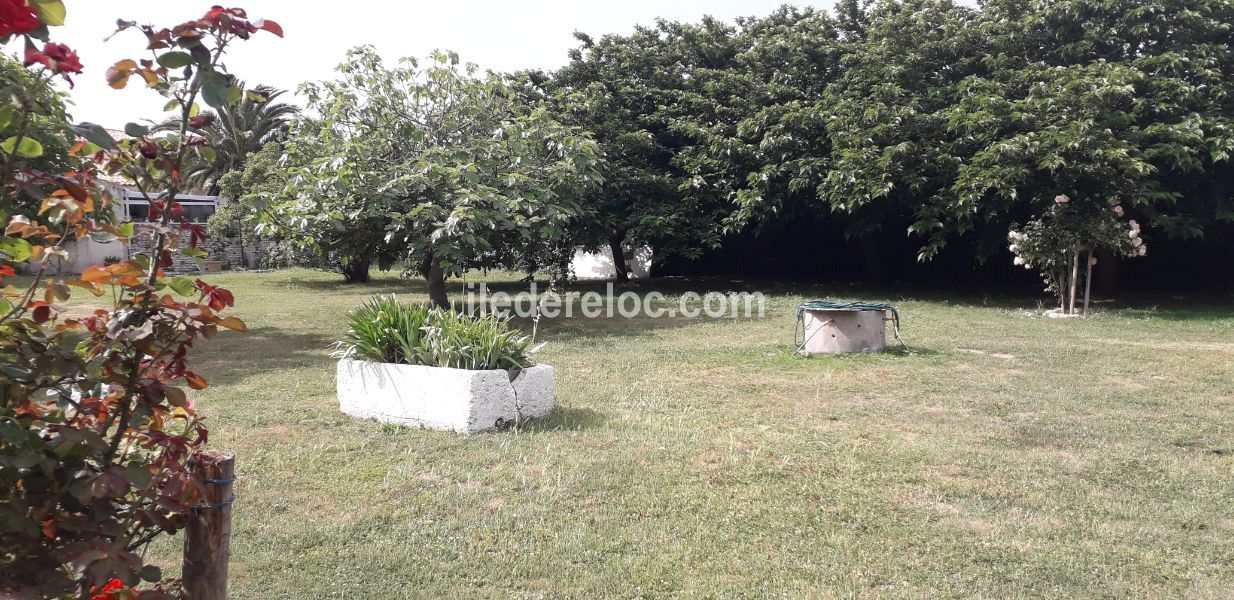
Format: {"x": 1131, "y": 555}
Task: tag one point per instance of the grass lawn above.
{"x": 1005, "y": 455}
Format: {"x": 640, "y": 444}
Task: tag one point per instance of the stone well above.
{"x": 835, "y": 331}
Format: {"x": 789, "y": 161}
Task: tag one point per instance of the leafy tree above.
{"x": 788, "y": 60}
{"x": 971, "y": 120}
{"x": 235, "y": 132}
{"x": 892, "y": 154}
{"x": 437, "y": 166}
{"x": 38, "y": 112}
{"x": 628, "y": 92}
{"x": 245, "y": 190}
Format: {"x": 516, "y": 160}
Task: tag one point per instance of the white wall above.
{"x": 598, "y": 263}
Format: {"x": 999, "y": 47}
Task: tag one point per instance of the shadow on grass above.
{"x": 1200, "y": 308}
{"x": 232, "y": 357}
{"x": 372, "y": 287}
{"x": 565, "y": 418}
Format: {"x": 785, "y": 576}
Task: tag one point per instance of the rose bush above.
{"x": 1066, "y": 234}
{"x": 97, "y": 430}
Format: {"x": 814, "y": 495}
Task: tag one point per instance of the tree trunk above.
{"x": 436, "y": 278}
{"x": 356, "y": 270}
{"x": 1088, "y": 280}
{"x": 619, "y": 257}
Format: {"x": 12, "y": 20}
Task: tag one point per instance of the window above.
{"x": 197, "y": 209}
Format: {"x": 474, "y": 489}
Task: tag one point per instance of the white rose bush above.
{"x": 1062, "y": 243}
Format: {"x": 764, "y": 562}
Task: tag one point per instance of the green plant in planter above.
{"x": 386, "y": 330}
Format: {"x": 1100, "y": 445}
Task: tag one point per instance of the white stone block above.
{"x": 439, "y": 398}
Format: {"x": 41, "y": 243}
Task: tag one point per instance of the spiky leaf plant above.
{"x": 386, "y": 330}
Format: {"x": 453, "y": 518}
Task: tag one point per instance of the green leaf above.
{"x": 215, "y": 89}
{"x": 183, "y": 286}
{"x": 95, "y": 134}
{"x": 50, "y": 11}
{"x": 27, "y": 147}
{"x": 27, "y": 459}
{"x": 12, "y": 433}
{"x": 136, "y": 130}
{"x": 176, "y": 59}
{"x": 17, "y": 249}
{"x": 193, "y": 252}
{"x": 15, "y": 371}
{"x": 151, "y": 573}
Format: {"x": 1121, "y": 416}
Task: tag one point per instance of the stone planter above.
{"x": 440, "y": 398}
{"x": 214, "y": 266}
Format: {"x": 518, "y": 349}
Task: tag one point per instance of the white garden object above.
{"x": 838, "y": 331}
{"x": 460, "y": 400}
{"x": 829, "y": 327}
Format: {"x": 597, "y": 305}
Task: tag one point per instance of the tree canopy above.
{"x": 928, "y": 121}
{"x": 438, "y": 166}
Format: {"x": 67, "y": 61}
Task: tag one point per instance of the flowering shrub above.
{"x": 96, "y": 428}
{"x": 1053, "y": 243}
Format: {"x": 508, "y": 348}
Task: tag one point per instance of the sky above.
{"x": 502, "y": 35}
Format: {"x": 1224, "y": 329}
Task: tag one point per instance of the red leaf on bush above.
{"x": 201, "y": 121}
{"x": 148, "y": 149}
{"x": 118, "y": 74}
{"x": 196, "y": 381}
{"x": 234, "y": 324}
{"x": 269, "y": 25}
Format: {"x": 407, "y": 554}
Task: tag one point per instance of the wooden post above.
{"x": 1075, "y": 275}
{"x": 1088, "y": 281}
{"x": 207, "y": 538}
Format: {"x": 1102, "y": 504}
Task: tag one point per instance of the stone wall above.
{"x": 226, "y": 250}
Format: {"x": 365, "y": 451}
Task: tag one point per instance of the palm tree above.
{"x": 236, "y": 132}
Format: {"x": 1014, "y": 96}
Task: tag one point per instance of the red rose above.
{"x": 57, "y": 58}
{"x": 65, "y": 58}
{"x": 17, "y": 17}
